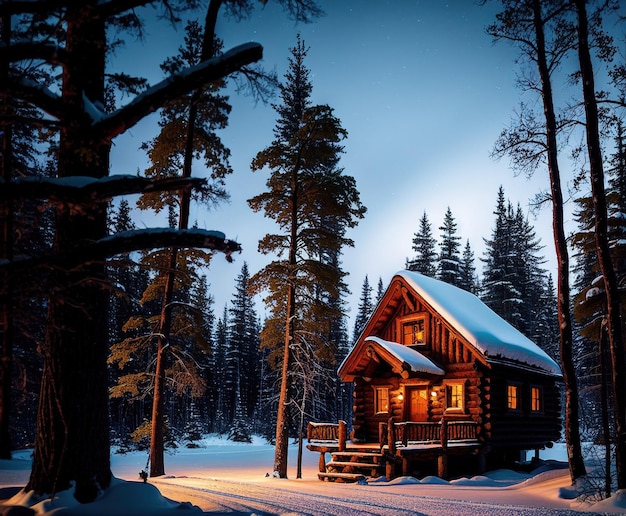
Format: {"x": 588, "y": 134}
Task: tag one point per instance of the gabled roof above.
{"x": 482, "y": 327}
{"x": 494, "y": 339}
{"x": 401, "y": 358}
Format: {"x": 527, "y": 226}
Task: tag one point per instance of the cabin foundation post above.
{"x": 342, "y": 435}
{"x": 322, "y": 462}
{"x": 390, "y": 467}
{"x": 442, "y": 465}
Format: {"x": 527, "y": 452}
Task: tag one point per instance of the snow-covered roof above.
{"x": 482, "y": 327}
{"x": 414, "y": 359}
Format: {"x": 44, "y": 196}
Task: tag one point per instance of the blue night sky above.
{"x": 423, "y": 93}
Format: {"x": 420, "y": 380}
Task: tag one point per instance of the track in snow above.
{"x": 231, "y": 497}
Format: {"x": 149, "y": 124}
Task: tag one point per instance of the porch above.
{"x": 400, "y": 445}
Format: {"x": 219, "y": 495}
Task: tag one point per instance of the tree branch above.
{"x": 176, "y": 86}
{"x": 36, "y": 94}
{"x": 127, "y": 242}
{"x": 88, "y": 189}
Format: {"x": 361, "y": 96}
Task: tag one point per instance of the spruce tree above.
{"x": 364, "y": 310}
{"x": 425, "y": 260}
{"x": 314, "y": 204}
{"x": 242, "y": 358}
{"x": 498, "y": 289}
{"x": 449, "y": 256}
{"x": 221, "y": 406}
{"x": 468, "y": 280}
{"x": 380, "y": 290}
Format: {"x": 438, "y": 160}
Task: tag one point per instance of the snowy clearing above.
{"x": 223, "y": 477}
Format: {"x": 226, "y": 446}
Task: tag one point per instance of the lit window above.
{"x": 513, "y": 397}
{"x": 381, "y": 400}
{"x": 454, "y": 396}
{"x": 535, "y": 399}
{"x": 413, "y": 332}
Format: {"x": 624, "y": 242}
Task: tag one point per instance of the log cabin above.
{"x": 441, "y": 385}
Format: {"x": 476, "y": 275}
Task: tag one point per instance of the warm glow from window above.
{"x": 381, "y": 400}
{"x": 535, "y": 399}
{"x": 413, "y": 332}
{"x": 455, "y": 395}
{"x": 513, "y": 397}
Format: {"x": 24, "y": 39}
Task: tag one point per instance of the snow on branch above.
{"x": 176, "y": 86}
{"x": 36, "y": 94}
{"x": 82, "y": 189}
{"x": 127, "y": 242}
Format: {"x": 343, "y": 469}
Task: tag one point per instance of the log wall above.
{"x": 485, "y": 387}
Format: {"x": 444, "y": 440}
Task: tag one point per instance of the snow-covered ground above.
{"x": 225, "y": 477}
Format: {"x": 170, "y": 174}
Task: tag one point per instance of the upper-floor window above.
{"x": 413, "y": 332}
{"x": 381, "y": 400}
{"x": 536, "y": 402}
{"x": 513, "y": 397}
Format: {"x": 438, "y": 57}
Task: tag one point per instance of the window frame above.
{"x": 536, "y": 403}
{"x": 460, "y": 397}
{"x": 378, "y": 400}
{"x": 518, "y": 397}
{"x": 413, "y": 319}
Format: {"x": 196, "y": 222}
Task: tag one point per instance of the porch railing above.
{"x": 326, "y": 433}
{"x": 403, "y": 433}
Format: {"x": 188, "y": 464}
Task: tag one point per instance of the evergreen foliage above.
{"x": 364, "y": 309}
{"x": 242, "y": 360}
{"x": 424, "y": 245}
{"x": 449, "y": 255}
{"x": 314, "y": 204}
{"x": 513, "y": 280}
{"x": 468, "y": 280}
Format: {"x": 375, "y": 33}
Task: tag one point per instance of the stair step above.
{"x": 351, "y": 464}
{"x": 356, "y": 454}
{"x": 341, "y": 477}
{"x": 365, "y": 458}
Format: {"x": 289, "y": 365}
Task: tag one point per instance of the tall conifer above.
{"x": 314, "y": 204}
{"x": 449, "y": 255}
{"x": 424, "y": 246}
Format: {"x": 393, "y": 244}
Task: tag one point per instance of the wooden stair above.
{"x": 352, "y": 466}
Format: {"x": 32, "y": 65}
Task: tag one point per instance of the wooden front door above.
{"x": 417, "y": 404}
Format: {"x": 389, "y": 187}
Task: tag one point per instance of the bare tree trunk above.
{"x": 572, "y": 430}
{"x": 157, "y": 445}
{"x": 6, "y": 252}
{"x": 604, "y": 410}
{"x": 282, "y": 421}
{"x": 614, "y": 319}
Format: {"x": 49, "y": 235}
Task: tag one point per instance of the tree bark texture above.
{"x": 281, "y": 450}
{"x": 72, "y": 442}
{"x": 572, "y": 431}
{"x": 598, "y": 195}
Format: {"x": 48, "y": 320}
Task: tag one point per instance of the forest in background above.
{"x": 97, "y": 313}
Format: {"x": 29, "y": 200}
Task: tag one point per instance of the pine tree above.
{"x": 364, "y": 310}
{"x": 314, "y": 204}
{"x": 498, "y": 290}
{"x": 468, "y": 280}
{"x": 221, "y": 406}
{"x": 380, "y": 290}
{"x": 449, "y": 257}
{"x": 242, "y": 358}
{"x": 425, "y": 260}
{"x": 513, "y": 277}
